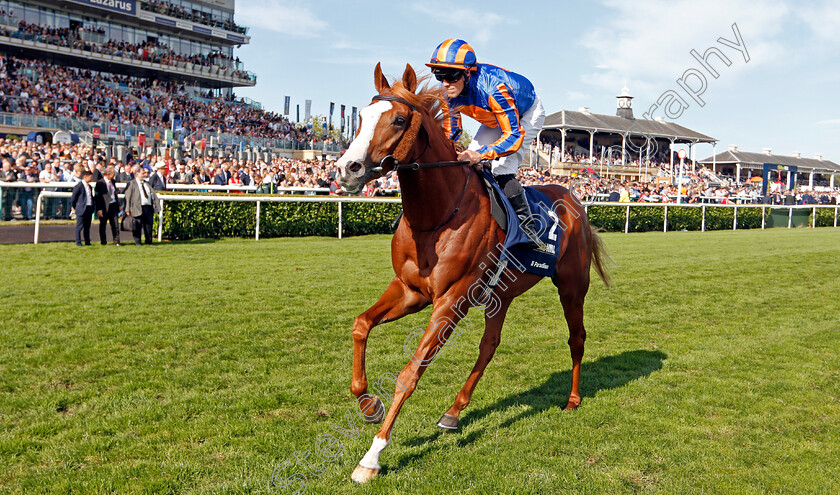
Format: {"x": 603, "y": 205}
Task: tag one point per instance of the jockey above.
{"x": 508, "y": 108}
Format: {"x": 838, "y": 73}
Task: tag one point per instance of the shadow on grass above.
{"x": 203, "y": 240}
{"x": 602, "y": 374}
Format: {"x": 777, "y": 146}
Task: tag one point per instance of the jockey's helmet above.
{"x": 453, "y": 54}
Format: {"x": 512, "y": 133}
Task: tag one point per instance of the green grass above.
{"x": 711, "y": 366}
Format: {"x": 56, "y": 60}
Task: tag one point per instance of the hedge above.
{"x": 202, "y": 219}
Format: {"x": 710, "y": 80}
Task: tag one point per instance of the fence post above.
{"x": 763, "y": 211}
{"x": 37, "y": 217}
{"x": 257, "y": 229}
{"x": 627, "y": 220}
{"x": 703, "y": 221}
{"x": 160, "y": 222}
{"x": 735, "y": 218}
{"x": 835, "y": 216}
{"x": 665, "y": 223}
{"x": 339, "y": 219}
{"x": 814, "y": 223}
{"x": 790, "y": 217}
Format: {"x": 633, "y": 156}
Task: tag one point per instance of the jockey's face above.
{"x": 453, "y": 89}
{"x": 451, "y": 79}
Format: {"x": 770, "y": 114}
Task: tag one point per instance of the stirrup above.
{"x": 533, "y": 239}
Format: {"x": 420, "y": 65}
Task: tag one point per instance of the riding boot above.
{"x": 526, "y": 222}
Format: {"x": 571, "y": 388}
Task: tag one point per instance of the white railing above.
{"x": 703, "y": 207}
{"x": 259, "y": 199}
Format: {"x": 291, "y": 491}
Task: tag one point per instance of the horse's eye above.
{"x": 399, "y": 121}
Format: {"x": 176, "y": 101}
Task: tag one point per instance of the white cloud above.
{"x": 278, "y": 16}
{"x": 576, "y": 96}
{"x": 823, "y": 20}
{"x": 478, "y": 26}
{"x": 647, "y": 42}
{"x": 829, "y": 122}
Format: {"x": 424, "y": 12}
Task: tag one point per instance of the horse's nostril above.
{"x": 354, "y": 167}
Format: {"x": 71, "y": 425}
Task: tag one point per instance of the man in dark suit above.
{"x": 81, "y": 201}
{"x": 107, "y": 206}
{"x": 125, "y": 175}
{"x": 141, "y": 203}
{"x": 158, "y": 179}
{"x": 222, "y": 176}
{"x": 7, "y": 174}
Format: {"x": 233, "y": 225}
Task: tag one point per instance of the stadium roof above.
{"x": 749, "y": 159}
{"x": 567, "y": 119}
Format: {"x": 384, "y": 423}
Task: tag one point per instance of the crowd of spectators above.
{"x": 32, "y": 162}
{"x": 700, "y": 187}
{"x": 45, "y": 163}
{"x": 35, "y": 87}
{"x": 179, "y": 12}
{"x": 148, "y": 51}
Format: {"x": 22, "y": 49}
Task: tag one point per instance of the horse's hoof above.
{"x": 378, "y": 413}
{"x": 448, "y": 422}
{"x": 363, "y": 475}
{"x": 572, "y": 405}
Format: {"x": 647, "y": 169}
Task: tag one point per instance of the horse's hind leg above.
{"x": 489, "y": 342}
{"x": 573, "y": 309}
{"x": 397, "y": 301}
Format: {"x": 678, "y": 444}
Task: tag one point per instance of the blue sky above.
{"x": 576, "y": 54}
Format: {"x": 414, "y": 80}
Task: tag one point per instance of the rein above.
{"x": 404, "y": 146}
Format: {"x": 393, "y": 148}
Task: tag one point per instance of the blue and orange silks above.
{"x": 495, "y": 97}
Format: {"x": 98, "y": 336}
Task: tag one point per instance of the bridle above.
{"x": 400, "y": 156}
{"x": 401, "y": 153}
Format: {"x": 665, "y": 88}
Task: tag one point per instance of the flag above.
{"x": 286, "y": 106}
{"x": 353, "y": 122}
{"x": 342, "y": 120}
{"x": 332, "y": 108}
{"x": 308, "y": 110}
{"x": 298, "y": 113}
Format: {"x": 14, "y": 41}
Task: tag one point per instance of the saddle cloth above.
{"x": 516, "y": 249}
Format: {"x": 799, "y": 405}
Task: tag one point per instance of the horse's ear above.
{"x": 409, "y": 78}
{"x": 379, "y": 80}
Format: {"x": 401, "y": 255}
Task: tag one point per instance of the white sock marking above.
{"x": 371, "y": 459}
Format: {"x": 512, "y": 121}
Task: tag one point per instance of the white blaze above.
{"x": 359, "y": 147}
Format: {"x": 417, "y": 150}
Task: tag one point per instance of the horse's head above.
{"x": 387, "y": 133}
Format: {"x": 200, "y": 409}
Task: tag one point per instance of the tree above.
{"x": 464, "y": 141}
{"x": 318, "y": 129}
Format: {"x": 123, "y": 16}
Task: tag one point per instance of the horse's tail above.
{"x": 599, "y": 256}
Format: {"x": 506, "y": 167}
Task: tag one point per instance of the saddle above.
{"x": 516, "y": 249}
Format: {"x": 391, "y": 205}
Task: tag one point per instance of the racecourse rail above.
{"x": 340, "y": 200}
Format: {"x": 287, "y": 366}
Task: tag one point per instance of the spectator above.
{"x": 82, "y": 202}
{"x": 141, "y": 204}
{"x": 158, "y": 179}
{"x": 107, "y": 206}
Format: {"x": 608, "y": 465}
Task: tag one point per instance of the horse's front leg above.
{"x": 493, "y": 322}
{"x": 397, "y": 301}
{"x": 444, "y": 320}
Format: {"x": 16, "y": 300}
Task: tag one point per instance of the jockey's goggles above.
{"x": 445, "y": 74}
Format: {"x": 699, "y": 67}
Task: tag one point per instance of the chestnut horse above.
{"x": 442, "y": 246}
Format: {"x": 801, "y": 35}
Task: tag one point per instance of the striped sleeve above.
{"x": 504, "y": 108}
{"x": 452, "y": 124}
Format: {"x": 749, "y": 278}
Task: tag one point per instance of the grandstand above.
{"x": 613, "y": 140}
{"x": 791, "y": 170}
{"x": 128, "y": 71}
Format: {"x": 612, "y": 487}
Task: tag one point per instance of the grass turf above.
{"x": 711, "y": 366}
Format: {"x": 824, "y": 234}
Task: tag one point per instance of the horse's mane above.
{"x": 429, "y": 97}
